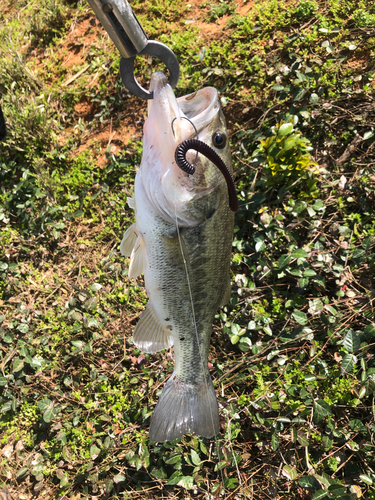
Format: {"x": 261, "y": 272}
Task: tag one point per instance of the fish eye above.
{"x": 219, "y": 140}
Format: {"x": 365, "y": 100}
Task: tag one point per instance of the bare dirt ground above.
{"x": 73, "y": 54}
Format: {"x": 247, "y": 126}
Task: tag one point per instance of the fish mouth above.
{"x": 190, "y": 114}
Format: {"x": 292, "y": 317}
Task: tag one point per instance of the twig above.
{"x": 68, "y": 82}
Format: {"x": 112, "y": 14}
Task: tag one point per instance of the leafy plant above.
{"x": 286, "y": 159}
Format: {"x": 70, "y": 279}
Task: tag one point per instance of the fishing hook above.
{"x": 196, "y": 133}
{"x": 210, "y": 154}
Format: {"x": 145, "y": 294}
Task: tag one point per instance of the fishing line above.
{"x": 197, "y": 339}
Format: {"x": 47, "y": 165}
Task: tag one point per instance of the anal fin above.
{"x": 149, "y": 334}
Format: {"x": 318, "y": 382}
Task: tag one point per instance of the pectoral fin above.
{"x": 128, "y": 240}
{"x": 149, "y": 335}
{"x": 138, "y": 258}
{"x": 131, "y": 202}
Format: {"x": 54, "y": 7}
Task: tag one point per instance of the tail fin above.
{"x": 184, "y": 408}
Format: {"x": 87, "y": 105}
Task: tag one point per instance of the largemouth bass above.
{"x": 181, "y": 241}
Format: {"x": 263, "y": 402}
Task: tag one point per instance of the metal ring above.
{"x": 154, "y": 49}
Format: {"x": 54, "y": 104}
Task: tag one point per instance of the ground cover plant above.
{"x": 292, "y": 354}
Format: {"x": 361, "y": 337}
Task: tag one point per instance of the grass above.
{"x": 292, "y": 355}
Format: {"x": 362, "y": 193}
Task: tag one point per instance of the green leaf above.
{"x": 22, "y": 473}
{"x": 369, "y": 330}
{"x": 289, "y": 144}
{"x": 186, "y": 482}
{"x": 23, "y": 328}
{"x": 173, "y": 459}
{"x": 294, "y": 434}
{"x": 338, "y": 490}
{"x": 260, "y": 246}
{"x": 321, "y": 408}
{"x": 8, "y": 337}
{"x": 315, "y": 306}
{"x": 119, "y": 478}
{"x": 49, "y": 415}
{"x": 95, "y": 287}
{"x": 302, "y": 438}
{"x": 319, "y": 205}
{"x": 299, "y": 94}
{"x": 175, "y": 478}
{"x": 299, "y": 206}
{"x": 357, "y": 426}
{"x": 296, "y": 272}
{"x": 362, "y": 392}
{"x": 195, "y": 457}
{"x": 309, "y": 273}
{"x": 283, "y": 261}
{"x": 94, "y": 451}
{"x": 77, "y": 343}
{"x": 18, "y": 364}
{"x": 327, "y": 443}
{"x": 90, "y": 303}
{"x": 64, "y": 480}
{"x": 230, "y": 483}
{"x": 314, "y": 98}
{"x": 320, "y": 494}
{"x": 300, "y": 317}
{"x": 92, "y": 323}
{"x": 332, "y": 310}
{"x": 352, "y": 342}
{"x": 299, "y": 254}
{"x": 274, "y": 442}
{"x": 285, "y": 128}
{"x": 290, "y": 472}
{"x": 311, "y": 211}
{"x": 365, "y": 478}
{"x": 267, "y": 330}
{"x": 368, "y": 135}
{"x": 309, "y": 482}
{"x": 45, "y": 404}
{"x": 348, "y": 362}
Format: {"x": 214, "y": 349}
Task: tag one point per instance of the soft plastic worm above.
{"x": 208, "y": 152}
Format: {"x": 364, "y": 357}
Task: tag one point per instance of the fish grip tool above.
{"x": 126, "y": 32}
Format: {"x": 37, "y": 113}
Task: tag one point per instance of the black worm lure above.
{"x": 208, "y": 152}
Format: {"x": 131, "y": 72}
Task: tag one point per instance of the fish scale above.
{"x": 181, "y": 241}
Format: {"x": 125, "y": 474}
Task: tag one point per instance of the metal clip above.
{"x": 123, "y": 27}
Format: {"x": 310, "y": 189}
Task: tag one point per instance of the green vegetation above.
{"x": 292, "y": 355}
